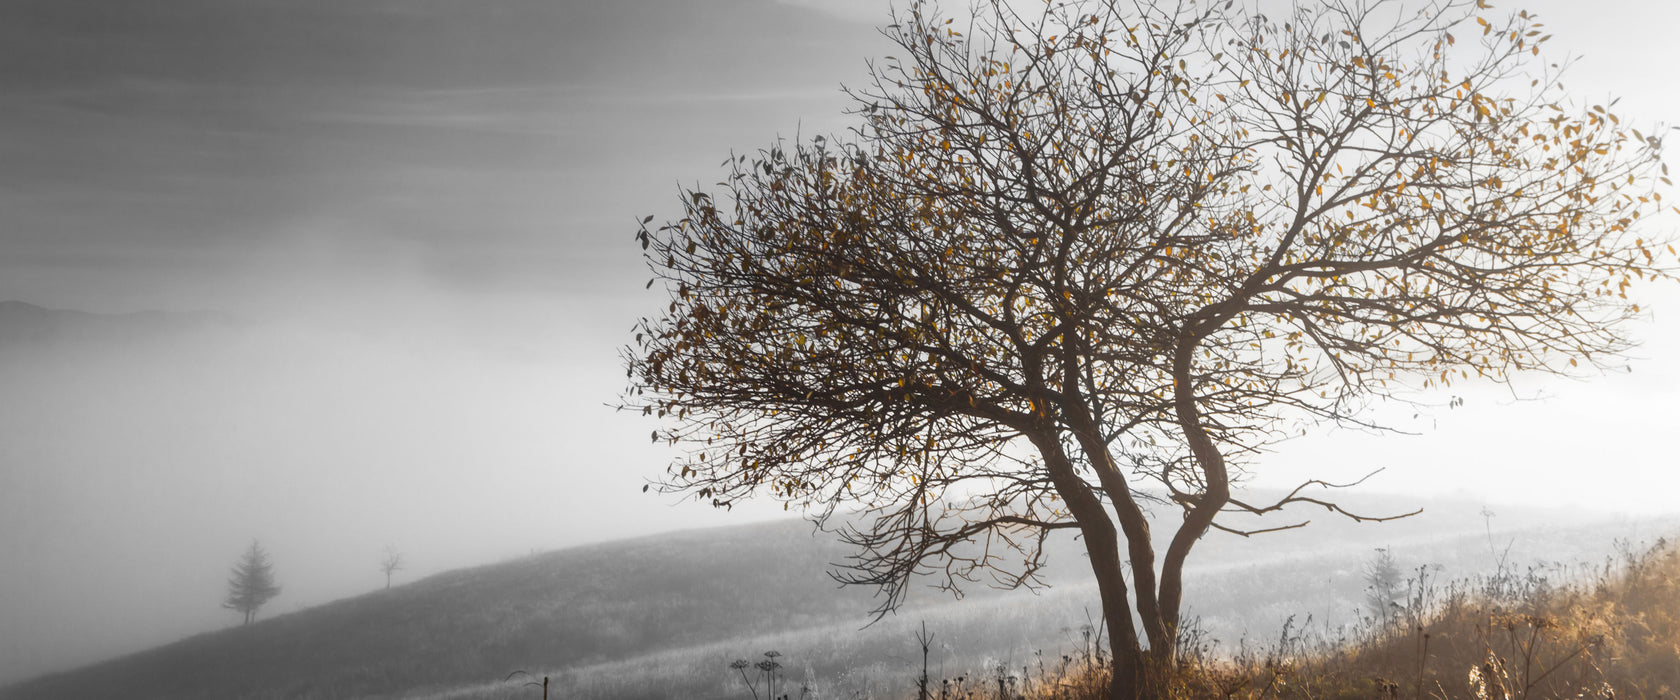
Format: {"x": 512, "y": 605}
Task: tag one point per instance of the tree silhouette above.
{"x": 1073, "y": 271}
{"x": 1383, "y": 582}
{"x": 251, "y": 583}
{"x": 392, "y": 563}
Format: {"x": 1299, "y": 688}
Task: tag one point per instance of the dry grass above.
{"x": 1612, "y": 634}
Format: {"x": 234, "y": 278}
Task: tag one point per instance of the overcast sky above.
{"x": 415, "y": 218}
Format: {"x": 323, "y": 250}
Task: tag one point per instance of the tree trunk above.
{"x": 1215, "y": 495}
{"x": 1117, "y": 614}
{"x": 1102, "y": 546}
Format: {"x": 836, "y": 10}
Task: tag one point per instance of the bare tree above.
{"x": 392, "y": 563}
{"x": 251, "y": 583}
{"x": 1073, "y": 271}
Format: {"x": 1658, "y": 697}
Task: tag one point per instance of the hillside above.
{"x": 57, "y": 330}
{"x": 663, "y": 616}
{"x": 574, "y": 606}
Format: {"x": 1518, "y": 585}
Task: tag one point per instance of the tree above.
{"x": 392, "y": 563}
{"x": 1073, "y": 271}
{"x": 251, "y": 583}
{"x": 1382, "y": 588}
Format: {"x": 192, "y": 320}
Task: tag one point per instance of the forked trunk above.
{"x": 1102, "y": 545}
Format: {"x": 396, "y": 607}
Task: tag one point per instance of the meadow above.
{"x": 1479, "y": 623}
{"x": 667, "y": 616}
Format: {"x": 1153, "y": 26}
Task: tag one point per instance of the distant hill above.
{"x": 23, "y": 324}
{"x": 662, "y": 616}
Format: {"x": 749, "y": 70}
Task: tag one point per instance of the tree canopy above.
{"x": 1073, "y": 268}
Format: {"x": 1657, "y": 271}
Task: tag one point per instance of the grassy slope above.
{"x": 1616, "y": 636}
{"x": 663, "y": 616}
{"x": 1613, "y": 633}
{"x": 571, "y": 607}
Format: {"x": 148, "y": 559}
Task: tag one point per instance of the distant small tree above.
{"x": 1382, "y": 586}
{"x": 392, "y": 563}
{"x": 251, "y": 583}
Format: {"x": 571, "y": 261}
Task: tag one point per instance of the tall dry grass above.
{"x": 1613, "y": 633}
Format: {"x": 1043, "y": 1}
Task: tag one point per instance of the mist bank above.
{"x": 141, "y": 454}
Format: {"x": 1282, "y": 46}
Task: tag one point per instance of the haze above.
{"x": 392, "y": 243}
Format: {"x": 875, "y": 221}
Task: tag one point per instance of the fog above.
{"x": 392, "y": 248}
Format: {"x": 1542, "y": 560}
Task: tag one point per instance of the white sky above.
{"x": 423, "y": 217}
